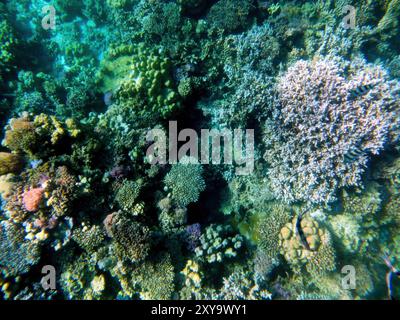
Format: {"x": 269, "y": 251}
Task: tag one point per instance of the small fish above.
{"x": 107, "y": 98}
{"x": 300, "y": 232}
{"x": 353, "y": 154}
{"x": 263, "y": 4}
{"x": 7, "y": 95}
{"x": 361, "y": 90}
{"x": 389, "y": 276}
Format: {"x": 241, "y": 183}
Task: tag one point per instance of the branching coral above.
{"x": 240, "y": 286}
{"x": 38, "y": 136}
{"x": 63, "y": 191}
{"x": 230, "y": 15}
{"x": 16, "y": 254}
{"x": 155, "y": 278}
{"x": 127, "y": 194}
{"x": 327, "y": 126}
{"x": 131, "y": 238}
{"x": 89, "y": 238}
{"x": 185, "y": 181}
{"x": 8, "y": 44}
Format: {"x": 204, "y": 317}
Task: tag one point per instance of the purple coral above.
{"x": 193, "y": 233}
{"x": 326, "y": 126}
{"x": 118, "y": 172}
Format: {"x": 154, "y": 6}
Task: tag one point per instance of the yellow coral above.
{"x": 98, "y": 284}
{"x": 290, "y": 244}
{"x": 6, "y": 185}
{"x": 192, "y": 274}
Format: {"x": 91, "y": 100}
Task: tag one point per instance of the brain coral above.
{"x": 327, "y": 125}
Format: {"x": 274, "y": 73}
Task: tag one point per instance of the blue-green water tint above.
{"x": 83, "y": 82}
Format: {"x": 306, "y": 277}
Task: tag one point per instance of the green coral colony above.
{"x": 78, "y": 192}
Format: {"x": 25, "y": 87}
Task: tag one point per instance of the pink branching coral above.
{"x": 32, "y": 199}
{"x": 327, "y": 125}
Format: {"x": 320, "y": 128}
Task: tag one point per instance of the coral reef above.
{"x": 155, "y": 279}
{"x": 17, "y": 255}
{"x": 218, "y": 243}
{"x": 9, "y": 163}
{"x": 150, "y": 77}
{"x": 78, "y": 191}
{"x": 131, "y": 239}
{"x": 230, "y": 15}
{"x": 325, "y": 129}
{"x": 185, "y": 181}
{"x": 318, "y": 257}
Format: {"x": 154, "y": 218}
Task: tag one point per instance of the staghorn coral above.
{"x": 185, "y": 181}
{"x": 323, "y": 133}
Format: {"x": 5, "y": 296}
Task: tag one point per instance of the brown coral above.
{"x": 10, "y": 163}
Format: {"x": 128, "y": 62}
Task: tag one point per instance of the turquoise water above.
{"x": 194, "y": 149}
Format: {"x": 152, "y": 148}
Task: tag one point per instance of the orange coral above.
{"x": 32, "y": 198}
